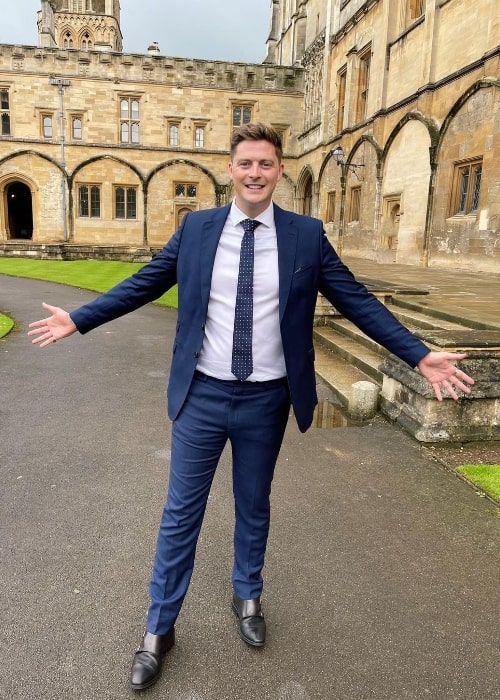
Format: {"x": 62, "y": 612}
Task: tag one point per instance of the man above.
{"x": 234, "y": 373}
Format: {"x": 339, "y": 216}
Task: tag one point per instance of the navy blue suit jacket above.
{"x": 307, "y": 264}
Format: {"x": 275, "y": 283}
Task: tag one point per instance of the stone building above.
{"x": 388, "y": 110}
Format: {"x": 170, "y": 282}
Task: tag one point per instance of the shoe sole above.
{"x": 143, "y": 686}
{"x": 242, "y": 636}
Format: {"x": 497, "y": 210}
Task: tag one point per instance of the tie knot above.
{"x": 249, "y": 225}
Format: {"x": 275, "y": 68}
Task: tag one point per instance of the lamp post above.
{"x": 61, "y": 83}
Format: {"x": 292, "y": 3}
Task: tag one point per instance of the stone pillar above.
{"x": 408, "y": 399}
{"x": 46, "y": 31}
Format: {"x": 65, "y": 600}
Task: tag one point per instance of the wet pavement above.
{"x": 382, "y": 573}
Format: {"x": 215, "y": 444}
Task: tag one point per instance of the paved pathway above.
{"x": 383, "y": 568}
{"x": 470, "y": 295}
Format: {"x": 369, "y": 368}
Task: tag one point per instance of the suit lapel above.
{"x": 210, "y": 234}
{"x": 286, "y": 235}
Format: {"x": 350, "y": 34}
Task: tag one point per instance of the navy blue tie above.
{"x": 242, "y": 362}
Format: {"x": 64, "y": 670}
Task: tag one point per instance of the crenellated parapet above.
{"x": 177, "y": 72}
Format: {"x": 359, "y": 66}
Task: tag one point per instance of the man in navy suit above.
{"x": 207, "y": 402}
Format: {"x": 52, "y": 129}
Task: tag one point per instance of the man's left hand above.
{"x": 439, "y": 368}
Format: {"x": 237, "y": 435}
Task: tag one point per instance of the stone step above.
{"x": 348, "y": 329}
{"x": 353, "y": 350}
{"x": 338, "y": 374}
{"x": 434, "y": 312}
{"x": 416, "y": 319}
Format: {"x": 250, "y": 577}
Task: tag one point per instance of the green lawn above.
{"x": 6, "y": 325}
{"x": 485, "y": 476}
{"x": 95, "y": 275}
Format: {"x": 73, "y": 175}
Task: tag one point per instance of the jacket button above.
{"x": 196, "y": 354}
{"x": 202, "y": 326}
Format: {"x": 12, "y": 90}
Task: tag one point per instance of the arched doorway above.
{"x": 392, "y": 238}
{"x": 308, "y": 193}
{"x": 181, "y": 213}
{"x": 19, "y": 211}
{"x": 388, "y": 250}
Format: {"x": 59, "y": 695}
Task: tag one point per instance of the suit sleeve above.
{"x": 146, "y": 285}
{"x": 356, "y": 303}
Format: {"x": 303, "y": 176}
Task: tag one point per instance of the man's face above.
{"x": 254, "y": 170}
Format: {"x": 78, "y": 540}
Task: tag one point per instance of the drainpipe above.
{"x": 426, "y": 251}
{"x": 340, "y": 241}
{"x": 378, "y": 206}
{"x": 145, "y": 214}
{"x": 61, "y": 84}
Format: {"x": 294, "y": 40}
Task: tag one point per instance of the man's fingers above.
{"x": 48, "y": 307}
{"x": 451, "y": 391}
{"x": 437, "y": 391}
{"x": 463, "y": 387}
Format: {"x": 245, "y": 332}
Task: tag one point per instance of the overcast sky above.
{"x": 224, "y": 30}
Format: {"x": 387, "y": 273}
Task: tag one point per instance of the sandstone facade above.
{"x": 102, "y": 148}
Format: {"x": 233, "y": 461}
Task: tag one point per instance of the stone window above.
{"x": 129, "y": 120}
{"x": 76, "y": 128}
{"x": 173, "y": 133}
{"x": 86, "y": 42}
{"x": 185, "y": 189}
{"x": 68, "y": 40}
{"x": 466, "y": 187}
{"x": 199, "y": 137}
{"x": 125, "y": 202}
{"x": 89, "y": 201}
{"x": 414, "y": 9}
{"x": 242, "y": 114}
{"x": 47, "y": 126}
{"x": 365, "y": 58}
{"x": 4, "y": 112}
{"x": 79, "y": 5}
{"x": 355, "y": 204}
{"x": 330, "y": 207}
{"x": 282, "y": 131}
{"x": 341, "y": 90}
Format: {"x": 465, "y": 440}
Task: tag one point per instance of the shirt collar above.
{"x": 266, "y": 218}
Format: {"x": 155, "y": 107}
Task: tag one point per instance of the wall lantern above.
{"x": 339, "y": 157}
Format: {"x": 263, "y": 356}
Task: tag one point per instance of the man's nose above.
{"x": 254, "y": 170}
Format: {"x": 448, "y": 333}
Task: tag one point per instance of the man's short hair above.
{"x": 257, "y": 132}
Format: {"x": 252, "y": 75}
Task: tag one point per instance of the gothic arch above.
{"x": 305, "y": 191}
{"x": 30, "y": 152}
{"x": 475, "y": 87}
{"x": 181, "y": 161}
{"x": 89, "y": 161}
{"x": 365, "y": 138}
{"x": 429, "y": 124}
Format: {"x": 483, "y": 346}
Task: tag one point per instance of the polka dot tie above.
{"x": 242, "y": 363}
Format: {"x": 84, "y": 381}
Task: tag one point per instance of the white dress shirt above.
{"x": 267, "y": 348}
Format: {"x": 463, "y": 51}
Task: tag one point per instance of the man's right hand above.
{"x": 48, "y": 330}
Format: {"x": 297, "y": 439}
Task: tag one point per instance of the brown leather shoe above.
{"x": 252, "y": 623}
{"x": 148, "y": 659}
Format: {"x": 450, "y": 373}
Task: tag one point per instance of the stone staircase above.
{"x": 345, "y": 355}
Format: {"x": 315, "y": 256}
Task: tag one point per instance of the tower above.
{"x": 80, "y": 24}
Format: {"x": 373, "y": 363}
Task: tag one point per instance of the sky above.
{"x": 217, "y": 30}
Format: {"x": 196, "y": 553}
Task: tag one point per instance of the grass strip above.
{"x": 485, "y": 476}
{"x": 94, "y": 275}
{"x": 6, "y": 325}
